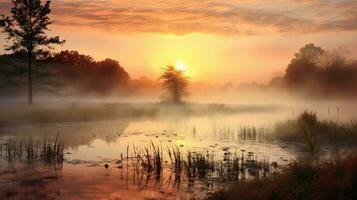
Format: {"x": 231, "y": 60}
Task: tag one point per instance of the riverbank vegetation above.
{"x": 312, "y": 131}
{"x": 334, "y": 179}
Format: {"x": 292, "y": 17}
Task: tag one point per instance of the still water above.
{"x": 89, "y": 146}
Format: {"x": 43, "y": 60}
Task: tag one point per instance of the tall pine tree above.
{"x": 26, "y": 28}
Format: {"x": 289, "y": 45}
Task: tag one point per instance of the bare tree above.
{"x": 26, "y": 27}
{"x": 175, "y": 83}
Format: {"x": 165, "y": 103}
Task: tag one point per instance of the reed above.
{"x": 308, "y": 129}
{"x": 299, "y": 180}
{"x": 151, "y": 159}
{"x": 308, "y": 125}
{"x": 192, "y": 165}
{"x": 242, "y": 133}
{"x": 49, "y": 151}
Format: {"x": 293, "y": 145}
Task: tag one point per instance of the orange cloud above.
{"x": 207, "y": 16}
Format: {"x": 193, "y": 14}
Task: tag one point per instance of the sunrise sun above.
{"x": 231, "y": 89}
{"x": 180, "y": 66}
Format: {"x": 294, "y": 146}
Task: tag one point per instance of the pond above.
{"x": 107, "y": 158}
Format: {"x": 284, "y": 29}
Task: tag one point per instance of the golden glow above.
{"x": 207, "y": 58}
{"x": 180, "y": 66}
{"x": 212, "y": 48}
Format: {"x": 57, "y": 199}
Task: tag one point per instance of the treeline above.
{"x": 89, "y": 75}
{"x": 313, "y": 72}
{"x": 63, "y": 72}
{"x": 316, "y": 72}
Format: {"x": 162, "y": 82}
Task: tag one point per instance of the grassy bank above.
{"x": 312, "y": 131}
{"x": 324, "y": 180}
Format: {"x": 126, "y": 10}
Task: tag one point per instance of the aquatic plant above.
{"x": 299, "y": 180}
{"x": 151, "y": 159}
{"x": 198, "y": 165}
{"x": 307, "y": 128}
{"x": 308, "y": 123}
{"x": 176, "y": 159}
{"x": 242, "y": 133}
{"x": 49, "y": 151}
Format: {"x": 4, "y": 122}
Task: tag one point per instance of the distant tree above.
{"x": 91, "y": 76}
{"x": 109, "y": 74}
{"x": 72, "y": 58}
{"x": 175, "y": 83}
{"x": 315, "y": 72}
{"x": 26, "y": 28}
{"x": 304, "y": 65}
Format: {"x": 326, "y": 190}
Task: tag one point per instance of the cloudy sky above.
{"x": 232, "y": 40}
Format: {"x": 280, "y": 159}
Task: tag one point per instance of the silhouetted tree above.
{"x": 303, "y": 65}
{"x": 89, "y": 75}
{"x": 26, "y": 27}
{"x": 72, "y": 58}
{"x": 315, "y": 71}
{"x": 175, "y": 83}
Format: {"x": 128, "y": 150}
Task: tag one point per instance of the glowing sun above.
{"x": 180, "y": 66}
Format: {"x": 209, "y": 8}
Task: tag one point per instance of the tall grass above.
{"x": 242, "y": 133}
{"x": 176, "y": 159}
{"x": 323, "y": 180}
{"x": 198, "y": 165}
{"x": 49, "y": 151}
{"x": 195, "y": 165}
{"x": 151, "y": 159}
{"x": 308, "y": 129}
{"x": 308, "y": 125}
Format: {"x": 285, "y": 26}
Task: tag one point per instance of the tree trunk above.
{"x": 29, "y": 79}
{"x": 176, "y": 99}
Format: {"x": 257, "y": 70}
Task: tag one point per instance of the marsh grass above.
{"x": 49, "y": 151}
{"x": 197, "y": 165}
{"x": 176, "y": 159}
{"x": 200, "y": 165}
{"x": 308, "y": 129}
{"x": 150, "y": 159}
{"x": 241, "y": 133}
{"x": 308, "y": 126}
{"x": 332, "y": 179}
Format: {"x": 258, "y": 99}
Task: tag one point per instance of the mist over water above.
{"x": 111, "y": 138}
{"x": 72, "y": 126}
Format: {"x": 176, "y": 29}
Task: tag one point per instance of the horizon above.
{"x": 178, "y": 99}
{"x": 256, "y": 48}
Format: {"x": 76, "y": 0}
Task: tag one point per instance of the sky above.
{"x": 217, "y": 41}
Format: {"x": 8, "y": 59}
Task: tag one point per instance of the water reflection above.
{"x": 232, "y": 147}
{"x": 72, "y": 135}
